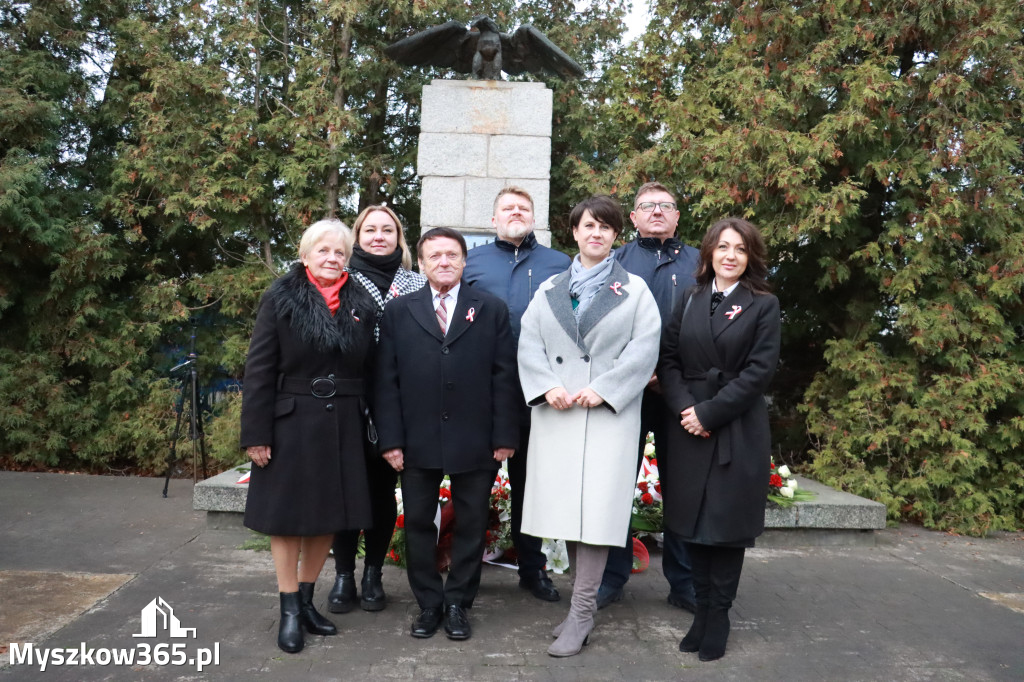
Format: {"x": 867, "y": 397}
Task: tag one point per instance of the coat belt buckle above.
{"x": 323, "y": 387}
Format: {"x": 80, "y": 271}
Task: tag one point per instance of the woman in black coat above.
{"x": 380, "y": 264}
{"x": 302, "y": 420}
{"x": 718, "y": 355}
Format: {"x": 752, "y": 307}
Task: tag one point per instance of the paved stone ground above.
{"x": 917, "y": 606}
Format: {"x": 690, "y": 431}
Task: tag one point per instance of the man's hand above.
{"x": 501, "y": 454}
{"x": 690, "y": 422}
{"x": 559, "y": 398}
{"x": 588, "y": 398}
{"x": 259, "y": 454}
{"x": 395, "y": 457}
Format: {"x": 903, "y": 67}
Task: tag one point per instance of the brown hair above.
{"x": 651, "y": 187}
{"x": 602, "y": 207}
{"x": 755, "y": 276}
{"x": 437, "y": 233}
{"x": 357, "y": 226}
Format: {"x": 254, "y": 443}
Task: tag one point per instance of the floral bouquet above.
{"x": 396, "y": 550}
{"x": 499, "y": 525}
{"x": 647, "y": 511}
{"x": 783, "y": 489}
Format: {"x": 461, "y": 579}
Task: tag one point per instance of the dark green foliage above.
{"x": 158, "y": 162}
{"x": 879, "y": 148}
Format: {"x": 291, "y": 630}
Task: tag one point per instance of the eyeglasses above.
{"x": 648, "y": 206}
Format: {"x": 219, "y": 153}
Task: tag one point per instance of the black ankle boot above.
{"x": 315, "y": 623}
{"x": 373, "y": 598}
{"x": 343, "y": 595}
{"x": 289, "y": 632}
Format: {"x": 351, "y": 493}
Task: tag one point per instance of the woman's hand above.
{"x": 588, "y": 398}
{"x": 259, "y": 454}
{"x": 395, "y": 457}
{"x": 690, "y": 422}
{"x": 559, "y": 398}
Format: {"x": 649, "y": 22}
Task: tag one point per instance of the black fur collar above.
{"x": 295, "y": 297}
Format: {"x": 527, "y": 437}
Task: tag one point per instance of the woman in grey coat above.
{"x": 589, "y": 344}
{"x": 718, "y": 355}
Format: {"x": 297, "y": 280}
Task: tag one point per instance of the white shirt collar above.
{"x": 453, "y": 296}
{"x": 727, "y": 292}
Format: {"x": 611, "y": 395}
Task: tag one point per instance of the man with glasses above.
{"x": 512, "y": 267}
{"x": 668, "y": 266}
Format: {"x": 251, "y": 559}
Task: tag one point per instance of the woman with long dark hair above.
{"x": 718, "y": 355}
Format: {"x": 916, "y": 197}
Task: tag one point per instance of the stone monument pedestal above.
{"x": 475, "y": 138}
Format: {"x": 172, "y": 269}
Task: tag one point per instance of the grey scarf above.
{"x": 584, "y": 283}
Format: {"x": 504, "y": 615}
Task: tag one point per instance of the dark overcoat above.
{"x": 721, "y": 365}
{"x": 447, "y": 400}
{"x": 316, "y": 481}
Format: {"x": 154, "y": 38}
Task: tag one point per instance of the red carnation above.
{"x": 642, "y": 485}
{"x": 657, "y": 487}
{"x": 775, "y": 481}
{"x": 647, "y": 498}
{"x": 400, "y": 521}
{"x": 445, "y": 494}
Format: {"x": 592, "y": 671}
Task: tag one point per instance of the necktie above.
{"x": 716, "y": 298}
{"x": 442, "y": 314}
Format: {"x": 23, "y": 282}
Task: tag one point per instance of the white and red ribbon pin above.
{"x": 393, "y": 290}
{"x": 615, "y": 287}
{"x": 736, "y": 310}
{"x": 471, "y": 314}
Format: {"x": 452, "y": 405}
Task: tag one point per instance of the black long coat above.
{"x": 316, "y": 482}
{"x": 721, "y": 366}
{"x": 448, "y": 401}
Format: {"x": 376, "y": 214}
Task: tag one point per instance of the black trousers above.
{"x": 470, "y": 497}
{"x": 384, "y": 509}
{"x": 528, "y": 547}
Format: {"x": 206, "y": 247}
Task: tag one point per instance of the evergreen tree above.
{"x": 879, "y": 149}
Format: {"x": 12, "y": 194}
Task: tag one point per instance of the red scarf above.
{"x": 330, "y": 292}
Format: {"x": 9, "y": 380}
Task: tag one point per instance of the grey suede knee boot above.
{"x": 590, "y": 562}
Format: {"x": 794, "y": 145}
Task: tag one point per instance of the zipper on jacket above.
{"x": 517, "y": 254}
{"x": 529, "y": 281}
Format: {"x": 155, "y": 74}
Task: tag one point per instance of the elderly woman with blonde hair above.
{"x": 303, "y": 407}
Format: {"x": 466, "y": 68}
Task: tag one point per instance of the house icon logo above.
{"x": 158, "y": 616}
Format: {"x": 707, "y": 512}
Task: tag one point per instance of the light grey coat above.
{"x": 582, "y": 470}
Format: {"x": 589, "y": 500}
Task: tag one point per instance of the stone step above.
{"x": 831, "y": 518}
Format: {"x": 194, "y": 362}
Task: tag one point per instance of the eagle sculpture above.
{"x": 483, "y": 51}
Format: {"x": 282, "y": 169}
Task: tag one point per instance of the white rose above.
{"x": 649, "y": 449}
{"x": 791, "y": 484}
{"x": 786, "y": 492}
{"x": 784, "y": 471}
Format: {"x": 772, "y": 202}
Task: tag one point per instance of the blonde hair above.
{"x": 357, "y": 226}
{"x": 511, "y": 189}
{"x": 315, "y": 232}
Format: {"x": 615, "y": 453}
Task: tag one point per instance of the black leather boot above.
{"x": 342, "y": 597}
{"x": 315, "y": 623}
{"x": 700, "y": 562}
{"x": 726, "y": 566}
{"x": 372, "y": 587}
{"x": 289, "y": 632}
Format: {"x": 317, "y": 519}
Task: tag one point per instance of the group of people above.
{"x": 362, "y": 373}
